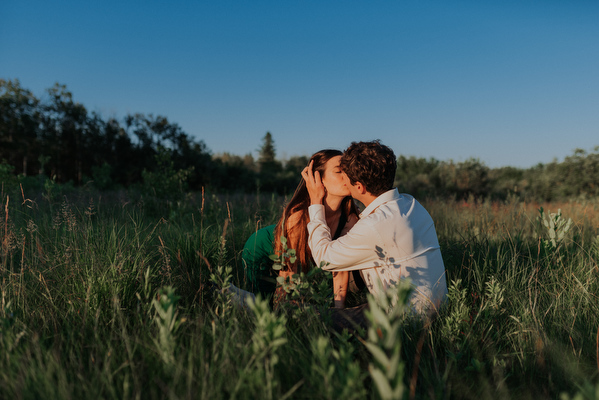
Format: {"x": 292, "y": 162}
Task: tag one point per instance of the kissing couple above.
{"x": 391, "y": 239}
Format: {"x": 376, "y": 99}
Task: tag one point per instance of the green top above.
{"x": 257, "y": 263}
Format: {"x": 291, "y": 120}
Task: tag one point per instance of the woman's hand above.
{"x": 314, "y": 184}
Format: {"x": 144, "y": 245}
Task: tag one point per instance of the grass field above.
{"x": 115, "y": 295}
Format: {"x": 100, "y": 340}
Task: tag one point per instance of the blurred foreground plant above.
{"x": 335, "y": 372}
{"x": 267, "y": 340}
{"x": 557, "y": 227}
{"x": 387, "y": 314}
{"x": 165, "y": 317}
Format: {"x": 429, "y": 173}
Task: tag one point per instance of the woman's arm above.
{"x": 340, "y": 284}
{"x": 341, "y": 279}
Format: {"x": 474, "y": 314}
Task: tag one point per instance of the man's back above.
{"x": 394, "y": 239}
{"x": 409, "y": 248}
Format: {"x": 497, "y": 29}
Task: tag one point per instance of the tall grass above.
{"x": 115, "y": 295}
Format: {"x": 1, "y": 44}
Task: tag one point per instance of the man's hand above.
{"x": 314, "y": 184}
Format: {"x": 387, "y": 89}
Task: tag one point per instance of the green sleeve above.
{"x": 257, "y": 262}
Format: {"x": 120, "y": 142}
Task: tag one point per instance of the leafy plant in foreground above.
{"x": 387, "y": 314}
{"x": 335, "y": 373}
{"x": 587, "y": 391}
{"x": 165, "y": 317}
{"x": 280, "y": 260}
{"x": 302, "y": 289}
{"x": 557, "y": 227}
{"x": 221, "y": 280}
{"x": 267, "y": 340}
{"x": 458, "y": 316}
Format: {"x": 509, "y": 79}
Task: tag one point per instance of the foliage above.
{"x": 166, "y": 183}
{"x": 284, "y": 259}
{"x": 80, "y": 315}
{"x": 556, "y": 228}
{"x": 575, "y": 177}
{"x": 268, "y": 165}
{"x": 234, "y": 173}
{"x": 305, "y": 290}
{"x": 267, "y": 339}
{"x": 99, "y": 298}
{"x": 336, "y": 369}
{"x": 6, "y": 176}
{"x": 165, "y": 317}
{"x": 387, "y": 318}
{"x": 19, "y": 118}
{"x": 267, "y": 161}
{"x": 101, "y": 176}
{"x": 58, "y": 138}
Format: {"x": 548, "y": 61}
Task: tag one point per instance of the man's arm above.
{"x": 345, "y": 253}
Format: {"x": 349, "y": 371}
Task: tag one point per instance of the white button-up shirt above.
{"x": 395, "y": 238}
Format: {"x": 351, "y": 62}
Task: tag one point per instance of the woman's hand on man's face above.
{"x": 313, "y": 184}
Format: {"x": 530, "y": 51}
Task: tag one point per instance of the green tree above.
{"x": 267, "y": 157}
{"x": 464, "y": 179}
{"x": 153, "y": 133}
{"x": 580, "y": 174}
{"x": 507, "y": 180}
{"x": 58, "y": 137}
{"x": 417, "y": 176}
{"x": 64, "y": 127}
{"x": 291, "y": 173}
{"x": 235, "y": 173}
{"x": 19, "y": 127}
{"x": 268, "y": 165}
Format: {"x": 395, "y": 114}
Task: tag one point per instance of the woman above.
{"x": 341, "y": 215}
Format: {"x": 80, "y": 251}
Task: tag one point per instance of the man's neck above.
{"x": 366, "y": 198}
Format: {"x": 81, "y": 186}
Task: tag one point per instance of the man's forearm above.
{"x": 342, "y": 254}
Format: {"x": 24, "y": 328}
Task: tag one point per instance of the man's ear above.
{"x": 360, "y": 188}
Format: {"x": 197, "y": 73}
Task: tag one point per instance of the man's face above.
{"x": 332, "y": 178}
{"x": 352, "y": 189}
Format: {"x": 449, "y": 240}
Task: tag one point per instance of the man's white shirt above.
{"x": 394, "y": 239}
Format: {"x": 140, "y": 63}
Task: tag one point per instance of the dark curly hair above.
{"x": 370, "y": 163}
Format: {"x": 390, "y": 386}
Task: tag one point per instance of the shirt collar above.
{"x": 389, "y": 195}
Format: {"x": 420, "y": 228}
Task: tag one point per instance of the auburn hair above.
{"x": 293, "y": 223}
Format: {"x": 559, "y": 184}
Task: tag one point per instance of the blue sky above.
{"x": 509, "y": 82}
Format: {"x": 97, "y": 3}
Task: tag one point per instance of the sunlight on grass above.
{"x": 104, "y": 296}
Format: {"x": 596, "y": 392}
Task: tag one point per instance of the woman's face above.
{"x": 332, "y": 178}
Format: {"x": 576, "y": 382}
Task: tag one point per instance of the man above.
{"x": 395, "y": 237}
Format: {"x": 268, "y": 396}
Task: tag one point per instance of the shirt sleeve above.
{"x": 347, "y": 253}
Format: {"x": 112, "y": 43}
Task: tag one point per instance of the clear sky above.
{"x": 511, "y": 82}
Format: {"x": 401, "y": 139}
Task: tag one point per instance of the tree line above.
{"x": 59, "y": 138}
{"x": 577, "y": 177}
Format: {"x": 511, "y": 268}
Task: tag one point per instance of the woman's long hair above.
{"x": 297, "y": 234}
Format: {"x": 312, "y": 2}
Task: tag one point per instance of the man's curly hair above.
{"x": 370, "y": 163}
